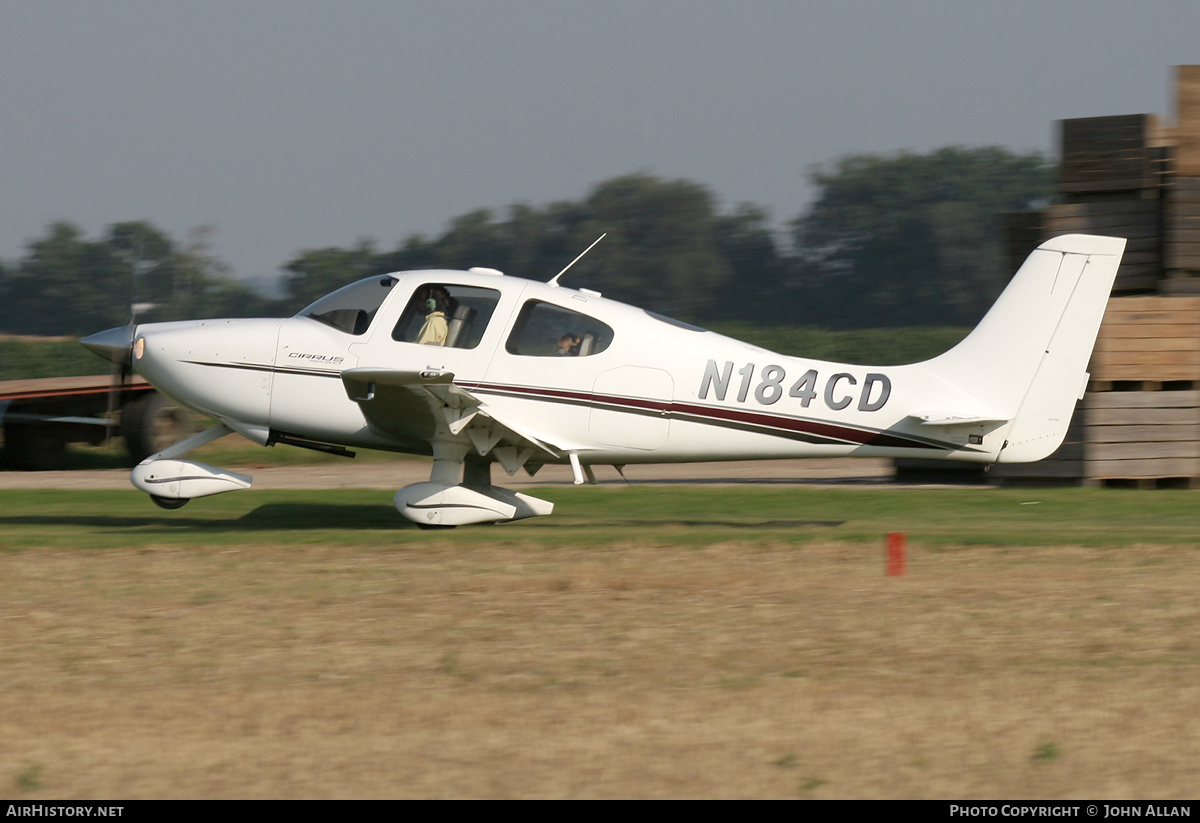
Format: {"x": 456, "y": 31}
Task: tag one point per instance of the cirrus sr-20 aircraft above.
{"x": 476, "y": 368}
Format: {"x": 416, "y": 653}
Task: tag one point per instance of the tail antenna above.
{"x": 553, "y": 281}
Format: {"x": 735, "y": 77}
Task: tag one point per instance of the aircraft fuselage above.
{"x": 658, "y": 391}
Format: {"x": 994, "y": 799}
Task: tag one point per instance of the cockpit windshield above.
{"x": 351, "y": 308}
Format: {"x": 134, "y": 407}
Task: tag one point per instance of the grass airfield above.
{"x": 651, "y": 641}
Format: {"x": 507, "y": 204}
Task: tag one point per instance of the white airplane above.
{"x": 475, "y": 368}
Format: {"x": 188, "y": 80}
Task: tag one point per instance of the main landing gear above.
{"x": 444, "y": 501}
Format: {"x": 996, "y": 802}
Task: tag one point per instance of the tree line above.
{"x": 67, "y": 284}
{"x": 894, "y": 240}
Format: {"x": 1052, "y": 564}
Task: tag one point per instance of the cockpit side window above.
{"x": 440, "y": 314}
{"x": 351, "y": 308}
{"x": 547, "y": 330}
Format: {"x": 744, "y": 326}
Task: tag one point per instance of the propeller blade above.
{"x": 115, "y": 345}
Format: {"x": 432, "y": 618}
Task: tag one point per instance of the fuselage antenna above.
{"x": 553, "y": 281}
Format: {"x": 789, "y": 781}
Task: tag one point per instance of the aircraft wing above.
{"x": 388, "y": 396}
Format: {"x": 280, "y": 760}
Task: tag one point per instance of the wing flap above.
{"x": 464, "y": 413}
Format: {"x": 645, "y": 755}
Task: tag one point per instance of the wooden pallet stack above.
{"x": 1111, "y": 182}
{"x": 1181, "y": 242}
{"x": 1147, "y": 344}
{"x": 1129, "y": 176}
{"x": 1181, "y": 212}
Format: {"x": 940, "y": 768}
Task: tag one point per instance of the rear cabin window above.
{"x": 547, "y": 330}
{"x": 446, "y": 315}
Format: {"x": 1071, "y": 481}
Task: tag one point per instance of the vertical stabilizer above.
{"x": 1027, "y": 359}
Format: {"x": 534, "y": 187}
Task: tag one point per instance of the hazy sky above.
{"x": 306, "y": 123}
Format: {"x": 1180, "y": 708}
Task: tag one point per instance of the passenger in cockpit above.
{"x": 568, "y": 346}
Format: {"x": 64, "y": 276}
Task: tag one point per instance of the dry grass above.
{"x": 733, "y": 670}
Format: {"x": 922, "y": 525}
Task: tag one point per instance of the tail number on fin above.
{"x": 838, "y": 392}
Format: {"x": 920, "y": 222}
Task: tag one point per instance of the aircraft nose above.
{"x": 113, "y": 344}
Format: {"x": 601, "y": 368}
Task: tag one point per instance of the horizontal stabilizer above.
{"x": 940, "y": 418}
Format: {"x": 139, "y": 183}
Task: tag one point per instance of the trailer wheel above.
{"x": 152, "y": 423}
{"x": 35, "y": 448}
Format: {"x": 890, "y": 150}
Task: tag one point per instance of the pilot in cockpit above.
{"x": 433, "y": 332}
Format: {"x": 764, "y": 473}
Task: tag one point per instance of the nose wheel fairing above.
{"x": 166, "y": 478}
{"x": 185, "y": 479}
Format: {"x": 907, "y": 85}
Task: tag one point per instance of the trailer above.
{"x": 40, "y": 417}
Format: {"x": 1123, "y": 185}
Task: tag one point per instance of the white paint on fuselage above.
{"x": 646, "y": 398}
{"x": 222, "y": 368}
